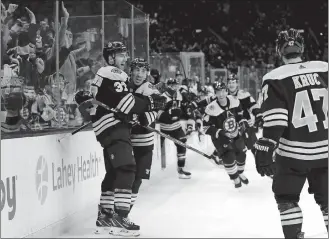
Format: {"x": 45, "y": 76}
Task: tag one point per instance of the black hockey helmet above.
{"x": 219, "y": 86}
{"x": 82, "y": 96}
{"x": 155, "y": 74}
{"x": 139, "y": 62}
{"x": 172, "y": 81}
{"x": 112, "y": 48}
{"x": 232, "y": 77}
{"x": 290, "y": 43}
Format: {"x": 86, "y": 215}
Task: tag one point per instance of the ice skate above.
{"x": 122, "y": 226}
{"x": 243, "y": 178}
{"x": 237, "y": 182}
{"x": 104, "y": 220}
{"x": 183, "y": 174}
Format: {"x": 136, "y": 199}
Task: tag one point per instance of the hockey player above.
{"x": 189, "y": 95}
{"x": 141, "y": 138}
{"x": 224, "y": 122}
{"x": 169, "y": 120}
{"x": 112, "y": 130}
{"x": 251, "y": 110}
{"x": 295, "y": 111}
{"x": 201, "y": 105}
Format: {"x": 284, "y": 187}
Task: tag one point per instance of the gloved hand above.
{"x": 259, "y": 121}
{"x": 243, "y": 126}
{"x": 122, "y": 116}
{"x": 263, "y": 151}
{"x": 157, "y": 102}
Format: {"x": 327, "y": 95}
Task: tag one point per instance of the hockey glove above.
{"x": 243, "y": 126}
{"x": 122, "y": 116}
{"x": 259, "y": 121}
{"x": 157, "y": 102}
{"x": 263, "y": 151}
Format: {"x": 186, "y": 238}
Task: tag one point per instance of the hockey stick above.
{"x": 75, "y": 131}
{"x": 96, "y": 102}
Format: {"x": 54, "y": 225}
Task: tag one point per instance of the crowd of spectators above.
{"x": 33, "y": 96}
{"x": 235, "y": 32}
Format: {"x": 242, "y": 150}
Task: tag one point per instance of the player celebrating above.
{"x": 250, "y": 108}
{"x": 113, "y": 133}
{"x": 295, "y": 110}
{"x": 170, "y": 123}
{"x": 141, "y": 138}
{"x": 224, "y": 122}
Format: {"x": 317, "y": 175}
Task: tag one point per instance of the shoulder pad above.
{"x": 112, "y": 73}
{"x": 243, "y": 94}
{"x": 289, "y": 70}
{"x": 233, "y": 102}
{"x": 147, "y": 89}
{"x": 213, "y": 109}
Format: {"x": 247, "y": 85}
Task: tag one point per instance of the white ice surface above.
{"x": 207, "y": 205}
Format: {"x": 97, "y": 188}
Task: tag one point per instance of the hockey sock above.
{"x": 232, "y": 170}
{"x": 324, "y": 210}
{"x": 240, "y": 167}
{"x": 107, "y": 200}
{"x": 122, "y": 201}
{"x": 291, "y": 219}
{"x": 125, "y": 177}
{"x": 181, "y": 160}
{"x": 136, "y": 185}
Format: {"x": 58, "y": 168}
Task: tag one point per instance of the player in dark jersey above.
{"x": 295, "y": 111}
{"x": 142, "y": 139}
{"x": 224, "y": 122}
{"x": 188, "y": 109}
{"x": 170, "y": 124}
{"x": 112, "y": 131}
{"x": 251, "y": 110}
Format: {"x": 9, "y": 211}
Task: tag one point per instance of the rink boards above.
{"x": 44, "y": 181}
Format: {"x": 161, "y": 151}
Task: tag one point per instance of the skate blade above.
{"x": 102, "y": 230}
{"x": 184, "y": 177}
{"x": 116, "y": 231}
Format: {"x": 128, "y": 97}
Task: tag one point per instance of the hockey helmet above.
{"x": 139, "y": 62}
{"x": 155, "y": 74}
{"x": 82, "y": 96}
{"x": 232, "y": 77}
{"x": 290, "y": 43}
{"x": 113, "y": 48}
{"x": 219, "y": 86}
{"x": 172, "y": 81}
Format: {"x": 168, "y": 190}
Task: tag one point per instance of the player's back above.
{"x": 296, "y": 96}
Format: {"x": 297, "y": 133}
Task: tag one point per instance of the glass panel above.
{"x": 141, "y": 43}
{"x": 34, "y": 99}
{"x": 167, "y": 64}
{"x": 250, "y": 79}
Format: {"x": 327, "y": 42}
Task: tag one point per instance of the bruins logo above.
{"x": 230, "y": 126}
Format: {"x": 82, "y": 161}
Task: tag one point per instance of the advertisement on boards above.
{"x": 46, "y": 181}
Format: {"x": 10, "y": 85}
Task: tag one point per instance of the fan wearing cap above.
{"x": 295, "y": 132}
{"x": 224, "y": 122}
{"x": 251, "y": 110}
{"x": 170, "y": 124}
